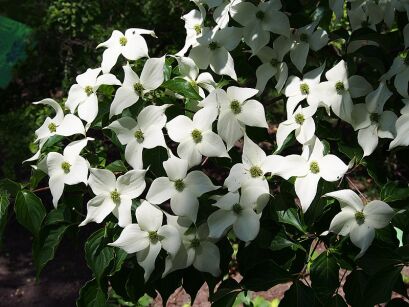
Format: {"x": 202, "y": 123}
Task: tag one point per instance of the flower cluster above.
{"x": 168, "y": 212}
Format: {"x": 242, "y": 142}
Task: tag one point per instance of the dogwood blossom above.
{"x": 131, "y": 45}
{"x": 194, "y": 25}
{"x": 371, "y": 121}
{"x": 84, "y": 94}
{"x": 145, "y": 132}
{"x": 181, "y": 187}
{"x": 196, "y": 137}
{"x": 399, "y": 70}
{"x": 148, "y": 237}
{"x": 67, "y": 168}
{"x": 134, "y": 87}
{"x": 359, "y": 220}
{"x": 222, "y": 12}
{"x": 328, "y": 167}
{"x": 402, "y": 128}
{"x": 113, "y": 195}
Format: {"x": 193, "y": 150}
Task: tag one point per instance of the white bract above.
{"x": 213, "y": 50}
{"x": 371, "y": 121}
{"x": 83, "y": 95}
{"x": 134, "y": 87}
{"x": 182, "y": 188}
{"x": 399, "y": 70}
{"x": 67, "y": 168}
{"x": 131, "y": 45}
{"x": 148, "y": 237}
{"x": 357, "y": 220}
{"x": 195, "y": 137}
{"x": 145, "y": 132}
{"x": 113, "y": 195}
{"x": 194, "y": 25}
{"x": 402, "y": 128}
{"x": 328, "y": 167}
{"x": 236, "y": 111}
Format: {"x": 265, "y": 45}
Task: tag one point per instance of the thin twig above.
{"x": 356, "y": 188}
{"x": 41, "y": 189}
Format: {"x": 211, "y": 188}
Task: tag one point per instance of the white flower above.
{"x": 302, "y": 122}
{"x": 113, "y": 195}
{"x": 60, "y": 124}
{"x": 297, "y": 90}
{"x": 131, "y": 45}
{"x": 214, "y": 51}
{"x": 197, "y": 249}
{"x": 194, "y": 25}
{"x": 236, "y": 111}
{"x": 181, "y": 188}
{"x": 402, "y": 128}
{"x": 399, "y": 69}
{"x": 273, "y": 65}
{"x": 190, "y": 72}
{"x": 238, "y": 212}
{"x": 221, "y": 14}
{"x": 256, "y": 164}
{"x": 196, "y": 137}
{"x": 371, "y": 121}
{"x": 145, "y": 132}
{"x": 304, "y": 39}
{"x": 134, "y": 87}
{"x": 259, "y": 21}
{"x": 328, "y": 167}
{"x": 339, "y": 90}
{"x": 67, "y": 168}
{"x": 148, "y": 237}
{"x": 83, "y": 94}
{"x": 359, "y": 220}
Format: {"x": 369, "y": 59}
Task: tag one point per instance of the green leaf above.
{"x": 298, "y": 295}
{"x": 265, "y": 275}
{"x": 4, "y": 205}
{"x": 291, "y": 217}
{"x": 226, "y": 293}
{"x": 391, "y": 192}
{"x": 91, "y": 295}
{"x": 182, "y": 87}
{"x": 30, "y": 211}
{"x": 354, "y": 153}
{"x": 354, "y": 288}
{"x": 10, "y": 187}
{"x": 280, "y": 241}
{"x": 98, "y": 255}
{"x": 44, "y": 249}
{"x": 324, "y": 275}
{"x": 117, "y": 167}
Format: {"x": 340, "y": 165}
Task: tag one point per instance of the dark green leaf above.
{"x": 354, "y": 288}
{"x": 291, "y": 217}
{"x": 397, "y": 302}
{"x": 4, "y": 205}
{"x": 299, "y": 295}
{"x": 182, "y": 87}
{"x": 10, "y": 187}
{"x": 324, "y": 275}
{"x": 91, "y": 295}
{"x": 30, "y": 211}
{"x": 391, "y": 192}
{"x": 117, "y": 167}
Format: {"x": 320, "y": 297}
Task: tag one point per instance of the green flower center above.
{"x": 123, "y": 41}
{"x": 179, "y": 185}
{"x": 314, "y": 167}
{"x": 195, "y": 243}
{"x": 237, "y": 208}
{"x": 52, "y": 127}
{"x": 88, "y": 90}
{"x": 260, "y": 15}
{"x": 153, "y": 236}
{"x": 235, "y": 107}
{"x": 304, "y": 37}
{"x": 198, "y": 29}
{"x": 139, "y": 136}
{"x": 115, "y": 196}
{"x": 360, "y": 217}
{"x": 374, "y": 117}
{"x": 66, "y": 167}
{"x": 197, "y": 136}
{"x": 138, "y": 88}
{"x": 256, "y": 171}
{"x": 299, "y": 118}
{"x": 340, "y": 87}
{"x": 214, "y": 46}
{"x": 304, "y": 88}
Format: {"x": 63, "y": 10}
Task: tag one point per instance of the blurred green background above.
{"x": 59, "y": 38}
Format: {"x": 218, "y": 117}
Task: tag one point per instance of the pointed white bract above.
{"x": 195, "y": 137}
{"x": 148, "y": 237}
{"x": 82, "y": 96}
{"x": 145, "y": 132}
{"x": 131, "y": 45}
{"x": 182, "y": 188}
{"x": 135, "y": 87}
{"x": 402, "y": 128}
{"x": 67, "y": 168}
{"x": 194, "y": 25}
{"x": 357, "y": 220}
{"x": 113, "y": 195}
{"x": 328, "y": 167}
{"x": 400, "y": 71}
